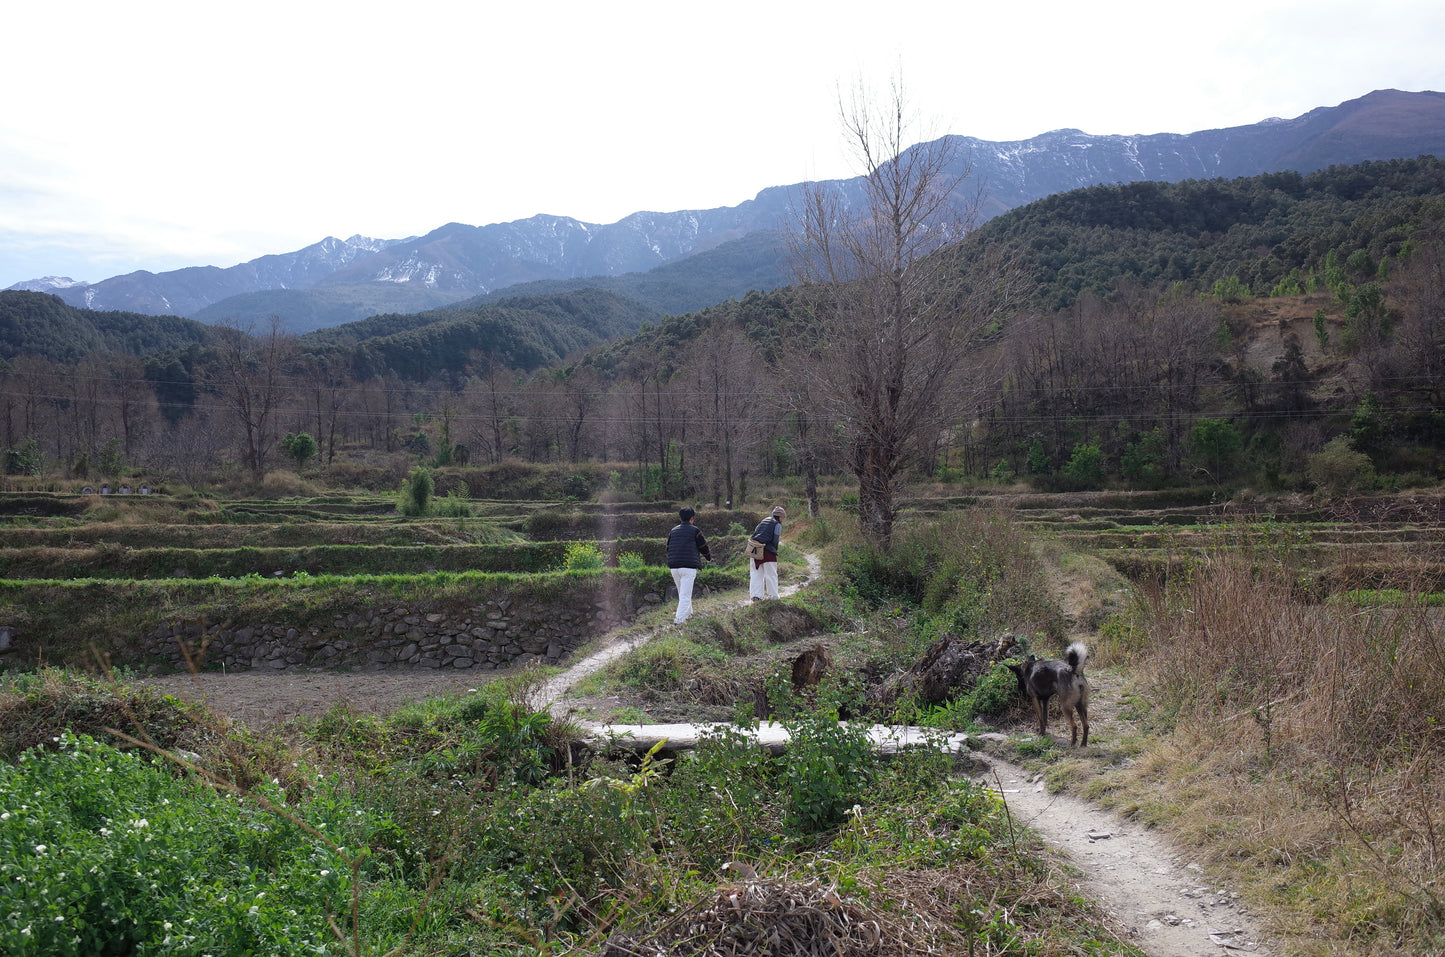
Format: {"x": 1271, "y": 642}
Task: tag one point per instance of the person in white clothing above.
{"x": 686, "y": 551}
{"x": 763, "y": 581}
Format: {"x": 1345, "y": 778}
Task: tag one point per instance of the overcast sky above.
{"x": 155, "y": 135}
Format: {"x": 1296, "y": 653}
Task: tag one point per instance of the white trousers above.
{"x": 763, "y": 582}
{"x": 683, "y": 579}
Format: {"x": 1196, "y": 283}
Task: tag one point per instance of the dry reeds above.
{"x": 1316, "y": 737}
{"x": 1237, "y": 642}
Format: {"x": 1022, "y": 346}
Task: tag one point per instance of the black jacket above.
{"x": 686, "y": 548}
{"x": 770, "y": 533}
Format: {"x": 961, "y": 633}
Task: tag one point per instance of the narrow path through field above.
{"x": 1163, "y": 899}
{"x": 552, "y": 694}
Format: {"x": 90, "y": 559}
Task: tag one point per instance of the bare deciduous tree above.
{"x": 250, "y": 378}
{"x": 727, "y": 406}
{"x": 489, "y": 407}
{"x": 894, "y": 315}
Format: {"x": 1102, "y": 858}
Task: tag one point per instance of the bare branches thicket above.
{"x": 894, "y": 316}
{"x": 250, "y": 378}
{"x": 730, "y": 408}
{"x": 1146, "y": 358}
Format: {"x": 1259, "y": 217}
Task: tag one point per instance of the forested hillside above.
{"x": 1260, "y": 230}
{"x": 42, "y": 325}
{"x": 522, "y": 333}
{"x": 1281, "y": 331}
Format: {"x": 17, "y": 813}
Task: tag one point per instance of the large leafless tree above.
{"x": 894, "y": 315}
{"x": 250, "y": 378}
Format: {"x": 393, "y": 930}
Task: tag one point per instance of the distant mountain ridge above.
{"x": 334, "y": 281}
{"x": 1274, "y": 234}
{"x": 184, "y": 292}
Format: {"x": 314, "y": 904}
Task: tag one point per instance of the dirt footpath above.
{"x": 1168, "y": 906}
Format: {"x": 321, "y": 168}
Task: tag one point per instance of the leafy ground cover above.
{"x": 474, "y": 826}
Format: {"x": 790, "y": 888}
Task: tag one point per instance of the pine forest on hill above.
{"x": 1279, "y": 331}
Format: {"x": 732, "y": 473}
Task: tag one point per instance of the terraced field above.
{"x": 1381, "y": 542}
{"x": 80, "y": 573}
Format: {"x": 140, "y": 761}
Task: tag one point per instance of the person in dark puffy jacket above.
{"x": 763, "y": 582}
{"x": 686, "y": 550}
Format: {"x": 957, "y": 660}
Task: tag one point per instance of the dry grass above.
{"x": 1308, "y": 754}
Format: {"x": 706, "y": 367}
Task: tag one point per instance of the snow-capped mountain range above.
{"x": 458, "y": 261}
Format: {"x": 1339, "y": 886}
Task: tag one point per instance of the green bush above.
{"x": 996, "y": 693}
{"x": 456, "y": 503}
{"x": 827, "y": 767}
{"x": 583, "y": 557}
{"x": 25, "y": 459}
{"x": 1338, "y": 468}
{"x": 1085, "y": 467}
{"x": 116, "y": 854}
{"x": 876, "y": 578}
{"x": 416, "y": 493}
{"x": 301, "y": 447}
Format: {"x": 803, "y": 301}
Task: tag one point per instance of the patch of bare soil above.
{"x": 261, "y": 699}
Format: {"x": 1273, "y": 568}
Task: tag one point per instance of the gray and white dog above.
{"x": 1042, "y": 680}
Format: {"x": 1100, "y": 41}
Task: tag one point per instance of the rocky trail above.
{"x": 1163, "y": 900}
{"x": 1159, "y": 896}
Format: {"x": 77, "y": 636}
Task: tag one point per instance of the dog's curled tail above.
{"x": 1076, "y": 655}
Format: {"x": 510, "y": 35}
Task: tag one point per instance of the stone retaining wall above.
{"x": 494, "y": 633}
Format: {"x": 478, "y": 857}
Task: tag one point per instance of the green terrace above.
{"x": 344, "y": 517}
{"x": 271, "y": 535}
{"x": 83, "y": 621}
{"x": 115, "y": 561}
